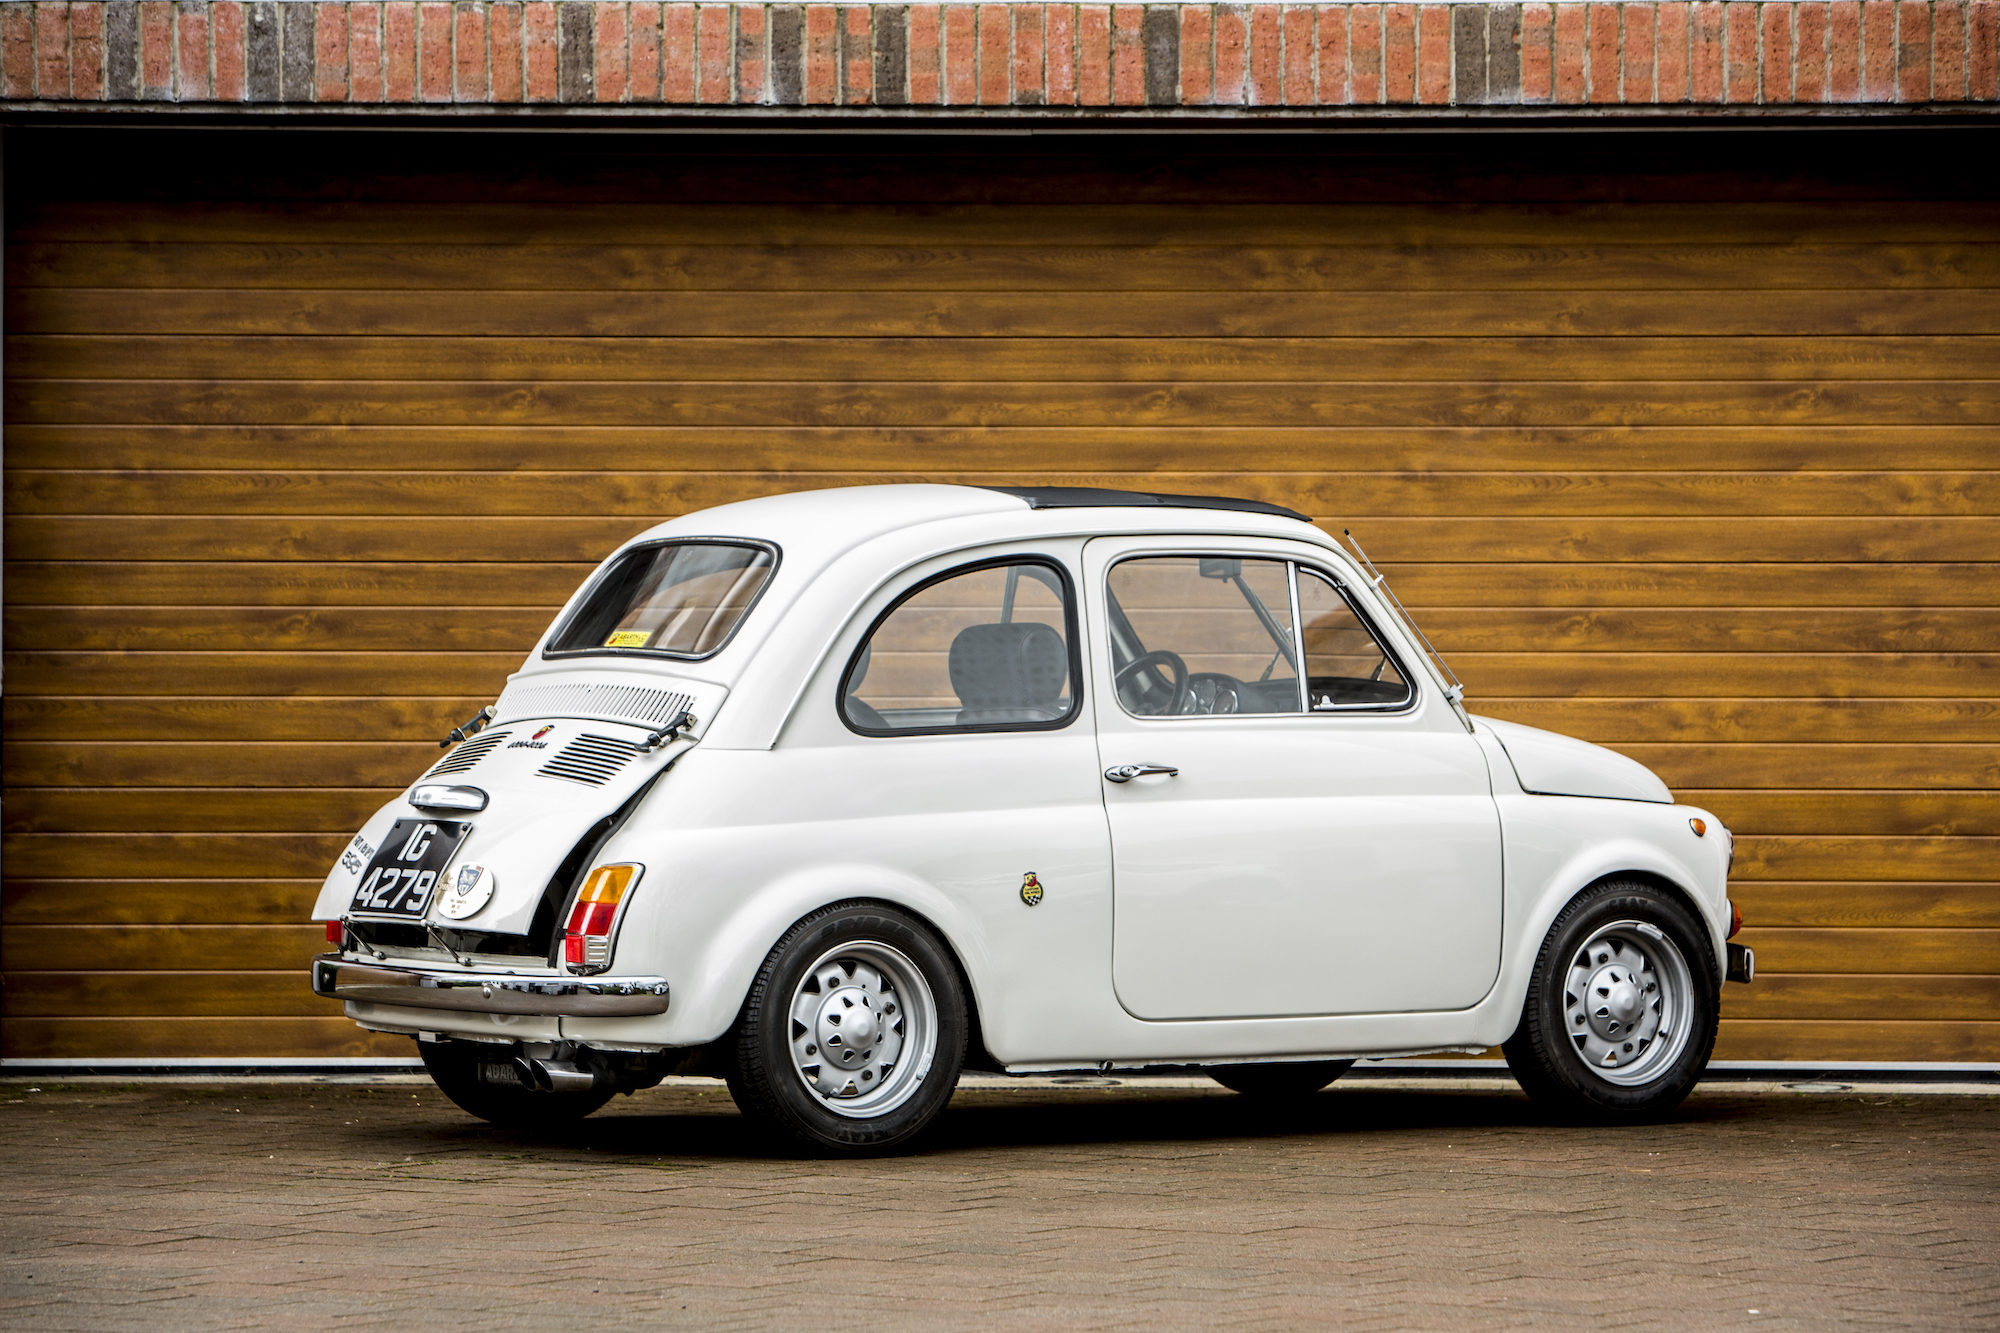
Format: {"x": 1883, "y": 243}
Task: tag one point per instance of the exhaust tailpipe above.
{"x": 554, "y": 1075}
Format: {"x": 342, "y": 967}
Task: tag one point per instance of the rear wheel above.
{"x": 1278, "y": 1080}
{"x": 1621, "y": 1012}
{"x": 854, "y": 1031}
{"x": 456, "y": 1067}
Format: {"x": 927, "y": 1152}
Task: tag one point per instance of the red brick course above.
{"x": 644, "y": 52}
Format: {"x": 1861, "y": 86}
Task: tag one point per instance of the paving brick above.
{"x": 1740, "y": 51}
{"x": 364, "y": 54}
{"x": 1232, "y": 54}
{"x": 822, "y": 76}
{"x": 996, "y": 55}
{"x": 1843, "y": 75}
{"x": 192, "y": 75}
{"x": 611, "y": 44}
{"x": 643, "y": 66}
{"x": 1330, "y": 24}
{"x": 1775, "y": 67}
{"x": 1572, "y": 36}
{"x": 1059, "y": 51}
{"x": 1639, "y": 61}
{"x": 1810, "y": 32}
{"x": 1399, "y": 54}
{"x": 1093, "y": 60}
{"x": 161, "y": 1208}
{"x": 715, "y": 51}
{"x": 925, "y": 82}
{"x": 857, "y": 55}
{"x": 961, "y": 55}
{"x": 1537, "y": 53}
{"x": 1267, "y": 37}
{"x": 156, "y": 49}
{"x": 399, "y": 48}
{"x": 1705, "y": 57}
{"x": 1433, "y": 55}
{"x": 1878, "y": 50}
{"x": 1913, "y": 51}
{"x": 1982, "y": 69}
{"x": 1603, "y": 76}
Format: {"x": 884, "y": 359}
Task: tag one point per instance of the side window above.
{"x": 1346, "y": 666}
{"x": 1203, "y": 634}
{"x": 985, "y": 648}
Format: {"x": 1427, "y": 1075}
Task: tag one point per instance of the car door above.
{"x": 1281, "y": 845}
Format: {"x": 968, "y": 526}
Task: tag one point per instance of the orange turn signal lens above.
{"x": 1700, "y": 827}
{"x": 1735, "y": 920}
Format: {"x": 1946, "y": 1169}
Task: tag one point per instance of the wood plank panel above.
{"x": 1771, "y": 721}
{"x": 1827, "y": 856}
{"x": 164, "y": 902}
{"x": 1409, "y": 540}
{"x": 886, "y": 267}
{"x": 1839, "y": 996}
{"x": 1506, "y": 675}
{"x": 217, "y": 359}
{"x": 358, "y": 718}
{"x": 294, "y": 312}
{"x": 645, "y": 494}
{"x": 898, "y": 451}
{"x": 1524, "y": 584}
{"x": 191, "y": 809}
{"x": 231, "y": 948}
{"x": 1509, "y": 221}
{"x": 202, "y": 855}
{"x": 1818, "y": 903}
{"x": 166, "y": 994}
{"x": 1454, "y": 629}
{"x": 1914, "y": 764}
{"x": 247, "y": 1039}
{"x": 1934, "y": 814}
{"x": 193, "y": 763}
{"x": 1861, "y": 949}
{"x": 1854, "y": 1039}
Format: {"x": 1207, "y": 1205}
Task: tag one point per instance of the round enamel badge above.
{"x": 469, "y": 889}
{"x": 1031, "y": 889}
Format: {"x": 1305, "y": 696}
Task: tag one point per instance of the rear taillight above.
{"x": 593, "y": 919}
{"x": 336, "y": 933}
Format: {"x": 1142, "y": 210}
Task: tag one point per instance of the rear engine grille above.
{"x": 621, "y": 703}
{"x": 468, "y": 753}
{"x": 593, "y": 760}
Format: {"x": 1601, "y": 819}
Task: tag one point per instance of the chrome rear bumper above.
{"x": 488, "y": 992}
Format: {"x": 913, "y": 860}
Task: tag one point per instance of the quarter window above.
{"x": 988, "y": 648}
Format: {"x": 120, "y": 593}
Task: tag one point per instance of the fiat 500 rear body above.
{"x": 832, "y": 793}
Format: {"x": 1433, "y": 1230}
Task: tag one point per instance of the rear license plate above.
{"x": 400, "y": 878}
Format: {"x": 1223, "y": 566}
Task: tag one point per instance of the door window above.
{"x": 1203, "y": 634}
{"x": 987, "y": 648}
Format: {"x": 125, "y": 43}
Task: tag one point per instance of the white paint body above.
{"x": 1310, "y": 885}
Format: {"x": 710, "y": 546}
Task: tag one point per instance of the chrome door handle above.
{"x": 1126, "y": 772}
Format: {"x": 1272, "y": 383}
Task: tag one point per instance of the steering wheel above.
{"x": 1154, "y": 660}
{"x": 1215, "y": 692}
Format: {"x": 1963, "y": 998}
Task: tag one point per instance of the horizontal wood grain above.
{"x": 1907, "y": 494}
{"x": 888, "y": 266}
{"x": 1514, "y": 584}
{"x": 298, "y": 312}
{"x": 250, "y": 359}
{"x": 203, "y": 855}
{"x": 1453, "y": 629}
{"x": 356, "y": 718}
{"x": 165, "y": 1039}
{"x": 893, "y": 453}
{"x": 1911, "y": 764}
{"x": 1508, "y": 675}
{"x": 231, "y": 948}
{"x": 1710, "y": 721}
{"x": 531, "y": 220}
{"x": 207, "y": 763}
{"x": 191, "y": 809}
{"x": 164, "y": 902}
{"x": 164, "y": 994}
{"x": 1927, "y": 814}
{"x": 1853, "y": 857}
{"x": 1390, "y": 537}
{"x": 1857, "y": 1039}
{"x": 1869, "y": 903}
{"x": 1862, "y": 949}
{"x": 1841, "y": 996}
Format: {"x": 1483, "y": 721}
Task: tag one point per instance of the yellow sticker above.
{"x": 1031, "y": 889}
{"x": 628, "y": 638}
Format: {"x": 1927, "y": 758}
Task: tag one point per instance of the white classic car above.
{"x": 836, "y": 794}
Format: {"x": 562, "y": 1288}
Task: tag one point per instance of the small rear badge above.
{"x": 1031, "y": 889}
{"x": 469, "y": 889}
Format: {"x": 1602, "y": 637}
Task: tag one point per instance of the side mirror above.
{"x": 1219, "y": 567}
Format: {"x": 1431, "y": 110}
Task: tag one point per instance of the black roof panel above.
{"x": 1093, "y": 497}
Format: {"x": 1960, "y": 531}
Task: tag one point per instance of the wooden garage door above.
{"x": 1669, "y": 448}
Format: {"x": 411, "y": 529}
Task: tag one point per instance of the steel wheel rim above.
{"x": 1627, "y": 1003}
{"x": 863, "y": 1029}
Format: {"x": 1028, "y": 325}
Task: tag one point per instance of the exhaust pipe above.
{"x": 554, "y": 1075}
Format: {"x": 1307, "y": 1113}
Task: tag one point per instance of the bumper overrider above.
{"x": 488, "y": 992}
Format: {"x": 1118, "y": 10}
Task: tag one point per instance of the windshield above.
{"x": 680, "y": 598}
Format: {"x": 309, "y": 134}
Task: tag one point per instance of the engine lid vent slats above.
{"x": 618, "y": 703}
{"x": 593, "y": 760}
{"x": 468, "y": 753}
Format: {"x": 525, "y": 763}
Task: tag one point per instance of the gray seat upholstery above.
{"x": 1009, "y": 673}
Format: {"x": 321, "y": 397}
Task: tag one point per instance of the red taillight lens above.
{"x": 336, "y": 933}
{"x": 594, "y": 916}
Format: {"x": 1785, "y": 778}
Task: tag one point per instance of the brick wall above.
{"x": 640, "y": 52}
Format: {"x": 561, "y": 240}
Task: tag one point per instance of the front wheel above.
{"x": 1621, "y": 1012}
{"x": 854, "y": 1031}
{"x": 1279, "y": 1081}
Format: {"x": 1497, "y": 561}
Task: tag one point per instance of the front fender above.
{"x": 1558, "y": 846}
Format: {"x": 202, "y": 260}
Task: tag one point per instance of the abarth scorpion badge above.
{"x": 1031, "y": 889}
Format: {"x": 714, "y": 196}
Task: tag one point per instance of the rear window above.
{"x": 683, "y": 599}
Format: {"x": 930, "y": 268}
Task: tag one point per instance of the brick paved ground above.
{"x": 297, "y": 1205}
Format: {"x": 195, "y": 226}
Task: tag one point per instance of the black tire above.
{"x": 1278, "y": 1081}
{"x": 1651, "y": 957}
{"x": 454, "y": 1067}
{"x": 848, "y": 953}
